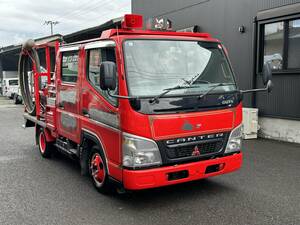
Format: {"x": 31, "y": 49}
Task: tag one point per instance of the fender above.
{"x": 49, "y": 137}
{"x": 83, "y": 156}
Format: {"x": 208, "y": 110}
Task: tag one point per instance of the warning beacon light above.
{"x": 132, "y": 21}
{"x": 159, "y": 23}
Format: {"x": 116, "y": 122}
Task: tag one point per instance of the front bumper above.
{"x": 157, "y": 177}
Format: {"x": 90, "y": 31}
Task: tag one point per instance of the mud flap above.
{"x": 83, "y": 158}
{"x": 28, "y": 123}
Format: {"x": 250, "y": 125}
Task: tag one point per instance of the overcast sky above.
{"x": 24, "y": 19}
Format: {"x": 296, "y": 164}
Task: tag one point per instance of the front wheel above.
{"x": 45, "y": 147}
{"x": 98, "y": 171}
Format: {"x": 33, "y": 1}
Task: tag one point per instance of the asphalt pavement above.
{"x": 37, "y": 191}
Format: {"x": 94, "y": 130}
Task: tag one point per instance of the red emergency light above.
{"x": 132, "y": 21}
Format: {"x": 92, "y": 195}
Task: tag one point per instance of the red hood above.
{"x": 190, "y": 124}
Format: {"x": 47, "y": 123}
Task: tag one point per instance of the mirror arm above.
{"x": 119, "y": 96}
{"x": 267, "y": 88}
{"x": 254, "y": 90}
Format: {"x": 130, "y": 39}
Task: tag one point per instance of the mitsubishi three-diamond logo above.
{"x": 196, "y": 151}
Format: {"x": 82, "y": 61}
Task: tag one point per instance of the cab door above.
{"x": 100, "y": 111}
{"x": 68, "y": 88}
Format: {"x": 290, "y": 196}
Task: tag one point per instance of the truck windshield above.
{"x": 152, "y": 66}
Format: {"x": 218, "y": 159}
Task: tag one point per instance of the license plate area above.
{"x": 178, "y": 175}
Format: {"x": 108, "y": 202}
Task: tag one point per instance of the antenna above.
{"x": 51, "y": 23}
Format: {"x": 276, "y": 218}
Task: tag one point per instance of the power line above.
{"x": 107, "y": 13}
{"x": 51, "y": 23}
{"x": 70, "y": 11}
{"x": 102, "y": 15}
{"x": 77, "y": 9}
{"x": 83, "y": 10}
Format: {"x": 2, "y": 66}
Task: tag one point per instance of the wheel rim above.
{"x": 97, "y": 169}
{"x": 42, "y": 142}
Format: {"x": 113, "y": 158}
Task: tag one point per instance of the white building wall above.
{"x": 10, "y": 74}
{"x": 279, "y": 129}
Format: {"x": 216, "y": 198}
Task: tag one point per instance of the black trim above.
{"x": 86, "y": 134}
{"x": 289, "y": 71}
{"x": 84, "y": 153}
{"x": 278, "y": 12}
{"x": 115, "y": 182}
{"x": 285, "y": 44}
{"x": 175, "y": 104}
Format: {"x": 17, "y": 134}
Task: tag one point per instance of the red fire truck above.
{"x": 137, "y": 108}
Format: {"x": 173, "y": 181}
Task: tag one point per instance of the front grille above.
{"x": 194, "y": 150}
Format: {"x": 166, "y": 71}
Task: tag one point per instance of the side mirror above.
{"x": 108, "y": 75}
{"x": 267, "y": 73}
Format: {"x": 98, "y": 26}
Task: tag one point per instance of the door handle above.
{"x": 61, "y": 105}
{"x": 85, "y": 113}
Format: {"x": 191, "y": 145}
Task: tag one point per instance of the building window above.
{"x": 69, "y": 72}
{"x": 281, "y": 44}
{"x": 294, "y": 44}
{"x": 273, "y": 42}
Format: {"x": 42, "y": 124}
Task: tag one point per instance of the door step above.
{"x": 65, "y": 147}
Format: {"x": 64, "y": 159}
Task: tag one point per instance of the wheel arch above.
{"x": 49, "y": 137}
{"x": 88, "y": 139}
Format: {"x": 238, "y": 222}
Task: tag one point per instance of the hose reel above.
{"x": 29, "y": 67}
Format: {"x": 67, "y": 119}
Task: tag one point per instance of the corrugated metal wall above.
{"x": 222, "y": 18}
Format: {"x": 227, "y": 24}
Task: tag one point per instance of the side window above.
{"x": 294, "y": 44}
{"x": 69, "y": 69}
{"x": 281, "y": 41}
{"x": 273, "y": 42}
{"x": 95, "y": 58}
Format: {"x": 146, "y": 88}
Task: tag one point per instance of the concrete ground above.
{"x": 5, "y": 102}
{"x": 39, "y": 191}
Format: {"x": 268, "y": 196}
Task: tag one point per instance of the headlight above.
{"x": 139, "y": 152}
{"x": 234, "y": 140}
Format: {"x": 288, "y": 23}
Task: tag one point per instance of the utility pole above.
{"x": 51, "y": 23}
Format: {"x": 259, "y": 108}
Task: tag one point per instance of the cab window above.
{"x": 69, "y": 70}
{"x": 95, "y": 58}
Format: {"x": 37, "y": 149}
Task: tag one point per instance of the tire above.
{"x": 45, "y": 147}
{"x": 20, "y": 99}
{"x": 98, "y": 171}
{"x": 16, "y": 99}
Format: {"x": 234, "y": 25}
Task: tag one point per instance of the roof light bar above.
{"x": 132, "y": 21}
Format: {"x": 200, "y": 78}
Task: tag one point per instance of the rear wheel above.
{"x": 98, "y": 171}
{"x": 16, "y": 99}
{"x": 45, "y": 147}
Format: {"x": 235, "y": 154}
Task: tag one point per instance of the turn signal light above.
{"x": 132, "y": 21}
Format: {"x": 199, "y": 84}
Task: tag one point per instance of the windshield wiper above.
{"x": 189, "y": 83}
{"x": 213, "y": 88}
{"x": 166, "y": 91}
{"x": 178, "y": 87}
{"x": 194, "y": 78}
